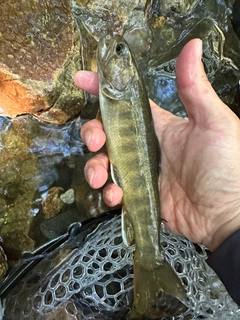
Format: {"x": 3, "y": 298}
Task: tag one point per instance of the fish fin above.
{"x": 108, "y": 92}
{"x": 127, "y": 229}
{"x": 150, "y": 280}
{"x": 99, "y": 116}
{"x": 114, "y": 174}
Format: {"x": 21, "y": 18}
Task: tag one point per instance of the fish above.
{"x": 131, "y": 145}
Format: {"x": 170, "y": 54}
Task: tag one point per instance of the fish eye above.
{"x": 120, "y": 48}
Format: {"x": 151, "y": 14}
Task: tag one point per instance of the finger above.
{"x": 93, "y": 135}
{"x": 96, "y": 170}
{"x": 88, "y": 81}
{"x": 112, "y": 195}
{"x": 202, "y": 104}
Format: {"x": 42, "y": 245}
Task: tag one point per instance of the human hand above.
{"x": 200, "y": 157}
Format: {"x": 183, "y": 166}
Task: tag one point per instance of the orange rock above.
{"x": 16, "y": 98}
{"x": 39, "y": 54}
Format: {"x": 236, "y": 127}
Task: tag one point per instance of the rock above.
{"x": 66, "y": 311}
{"x": 3, "y": 264}
{"x": 52, "y": 204}
{"x": 39, "y": 54}
{"x": 68, "y": 196}
{"x": 56, "y": 226}
{"x": 19, "y": 179}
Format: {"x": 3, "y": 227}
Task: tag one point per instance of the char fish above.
{"x": 132, "y": 149}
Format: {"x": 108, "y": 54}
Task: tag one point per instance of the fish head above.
{"x": 116, "y": 68}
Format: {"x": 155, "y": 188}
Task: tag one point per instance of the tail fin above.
{"x": 148, "y": 282}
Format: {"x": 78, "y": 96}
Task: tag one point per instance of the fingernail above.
{"x": 90, "y": 175}
{"x": 87, "y": 136}
{"x": 109, "y": 195}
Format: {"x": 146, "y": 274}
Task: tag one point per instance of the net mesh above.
{"x": 95, "y": 281}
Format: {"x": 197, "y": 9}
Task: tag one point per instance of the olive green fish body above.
{"x": 132, "y": 149}
{"x": 134, "y": 167}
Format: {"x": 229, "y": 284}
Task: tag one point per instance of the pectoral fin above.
{"x": 99, "y": 116}
{"x": 127, "y": 229}
{"x": 111, "y": 93}
{"x": 114, "y": 174}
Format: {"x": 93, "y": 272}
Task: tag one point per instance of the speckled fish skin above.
{"x": 132, "y": 150}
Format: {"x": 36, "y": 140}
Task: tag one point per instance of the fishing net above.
{"x": 95, "y": 281}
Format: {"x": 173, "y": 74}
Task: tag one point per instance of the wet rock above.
{"x": 170, "y": 7}
{"x": 157, "y": 31}
{"x": 19, "y": 178}
{"x": 68, "y": 196}
{"x": 56, "y": 226}
{"x": 43, "y": 35}
{"x": 3, "y": 264}
{"x": 16, "y": 97}
{"x": 182, "y": 7}
{"x": 31, "y": 155}
{"x": 236, "y": 17}
{"x": 52, "y": 204}
{"x": 66, "y": 311}
{"x": 15, "y": 243}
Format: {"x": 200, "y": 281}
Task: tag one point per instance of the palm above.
{"x": 195, "y": 182}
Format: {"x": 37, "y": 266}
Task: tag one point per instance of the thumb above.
{"x": 202, "y": 104}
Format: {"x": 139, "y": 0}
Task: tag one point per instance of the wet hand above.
{"x": 200, "y": 157}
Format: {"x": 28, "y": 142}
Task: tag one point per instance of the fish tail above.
{"x": 150, "y": 280}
